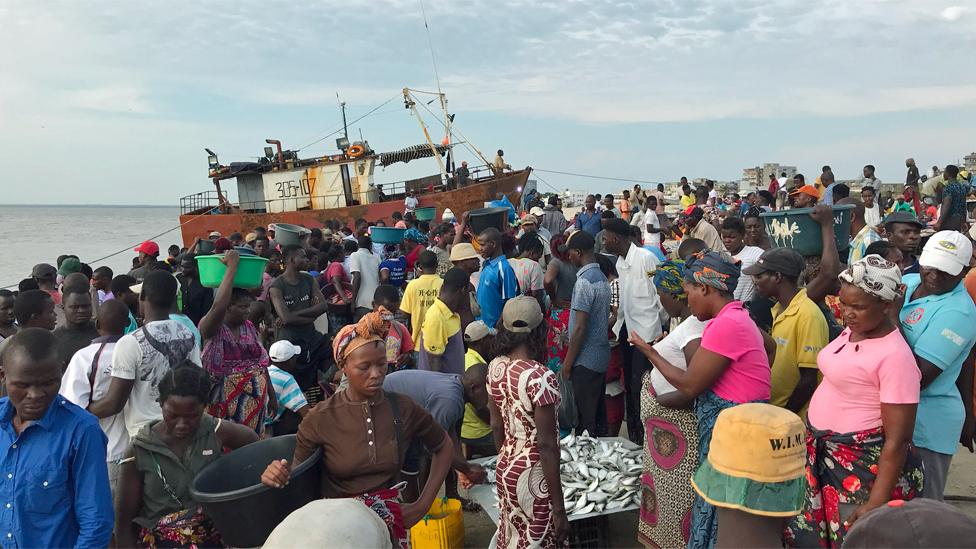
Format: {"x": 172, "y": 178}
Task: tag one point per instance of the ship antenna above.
{"x": 437, "y": 78}
{"x": 430, "y": 44}
{"x": 342, "y": 107}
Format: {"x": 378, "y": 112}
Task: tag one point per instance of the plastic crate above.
{"x": 590, "y": 533}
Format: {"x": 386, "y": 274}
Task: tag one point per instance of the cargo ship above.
{"x": 282, "y": 187}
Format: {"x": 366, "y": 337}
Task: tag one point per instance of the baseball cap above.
{"x": 283, "y": 350}
{"x": 537, "y": 211}
{"x": 44, "y": 270}
{"x": 779, "y": 260}
{"x": 756, "y": 461}
{"x": 806, "y": 189}
{"x": 530, "y": 219}
{"x": 214, "y": 234}
{"x": 462, "y": 251}
{"x": 902, "y": 217}
{"x": 148, "y": 247}
{"x": 947, "y": 251}
{"x": 251, "y": 237}
{"x": 522, "y": 314}
{"x": 921, "y": 522}
{"x": 477, "y": 330}
{"x": 69, "y": 265}
{"x": 579, "y": 240}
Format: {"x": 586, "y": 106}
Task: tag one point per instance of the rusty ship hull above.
{"x": 201, "y": 221}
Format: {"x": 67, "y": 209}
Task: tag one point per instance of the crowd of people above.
{"x": 406, "y": 361}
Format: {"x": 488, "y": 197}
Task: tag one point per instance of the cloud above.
{"x": 228, "y": 73}
{"x": 953, "y": 13}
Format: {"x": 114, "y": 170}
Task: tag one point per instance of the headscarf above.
{"x": 715, "y": 269}
{"x": 668, "y": 277}
{"x": 374, "y": 326}
{"x": 415, "y": 236}
{"x": 875, "y": 275}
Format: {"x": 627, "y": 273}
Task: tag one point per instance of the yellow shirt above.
{"x": 800, "y": 332}
{"x": 440, "y": 323}
{"x": 420, "y": 294}
{"x": 472, "y": 427}
{"x": 686, "y": 201}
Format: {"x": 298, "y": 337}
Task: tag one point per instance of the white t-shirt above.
{"x": 872, "y": 216}
{"x": 781, "y": 184}
{"x": 368, "y": 266}
{"x": 746, "y": 288}
{"x": 651, "y": 239}
{"x": 640, "y": 305}
{"x": 672, "y": 349}
{"x": 137, "y": 359}
{"x": 76, "y": 387}
{"x": 411, "y": 203}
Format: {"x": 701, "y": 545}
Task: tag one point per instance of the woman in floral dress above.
{"x": 861, "y": 418}
{"x": 524, "y": 396}
{"x": 234, "y": 357}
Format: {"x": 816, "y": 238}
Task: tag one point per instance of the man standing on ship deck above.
{"x": 499, "y": 164}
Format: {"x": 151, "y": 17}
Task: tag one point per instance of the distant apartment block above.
{"x": 970, "y": 162}
{"x": 574, "y": 198}
{"x": 758, "y": 177}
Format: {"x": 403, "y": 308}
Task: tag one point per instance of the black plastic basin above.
{"x": 244, "y": 510}
{"x": 482, "y": 218}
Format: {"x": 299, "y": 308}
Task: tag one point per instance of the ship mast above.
{"x": 410, "y": 103}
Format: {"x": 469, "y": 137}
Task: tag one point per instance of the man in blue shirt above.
{"x": 589, "y": 219}
{"x": 55, "y": 490}
{"x": 497, "y": 283}
{"x": 588, "y": 355}
{"x": 937, "y": 322}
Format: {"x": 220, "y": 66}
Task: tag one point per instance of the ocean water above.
{"x": 39, "y": 234}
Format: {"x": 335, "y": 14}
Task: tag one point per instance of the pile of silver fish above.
{"x": 597, "y": 475}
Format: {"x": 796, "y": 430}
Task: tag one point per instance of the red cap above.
{"x": 148, "y": 247}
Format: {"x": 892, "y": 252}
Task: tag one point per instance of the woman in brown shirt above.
{"x": 365, "y": 432}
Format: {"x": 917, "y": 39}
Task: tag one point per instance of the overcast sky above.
{"x": 113, "y": 102}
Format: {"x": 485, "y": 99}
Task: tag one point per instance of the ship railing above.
{"x": 199, "y": 203}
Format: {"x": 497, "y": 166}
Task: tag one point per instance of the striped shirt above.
{"x": 287, "y": 392}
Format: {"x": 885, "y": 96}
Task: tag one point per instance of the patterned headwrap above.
{"x": 668, "y": 277}
{"x": 875, "y": 275}
{"x": 415, "y": 236}
{"x": 715, "y": 269}
{"x": 373, "y": 326}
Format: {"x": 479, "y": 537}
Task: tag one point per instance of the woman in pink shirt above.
{"x": 861, "y": 418}
{"x": 730, "y": 367}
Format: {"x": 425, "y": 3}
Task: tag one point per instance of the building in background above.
{"x": 970, "y": 162}
{"x": 574, "y": 198}
{"x": 758, "y": 177}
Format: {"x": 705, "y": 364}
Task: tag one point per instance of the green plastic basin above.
{"x": 425, "y": 214}
{"x": 250, "y": 271}
{"x": 796, "y": 229}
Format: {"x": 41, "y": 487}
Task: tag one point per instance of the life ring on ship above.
{"x": 355, "y": 151}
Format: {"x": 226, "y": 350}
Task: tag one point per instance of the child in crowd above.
{"x": 292, "y": 404}
{"x": 399, "y": 343}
